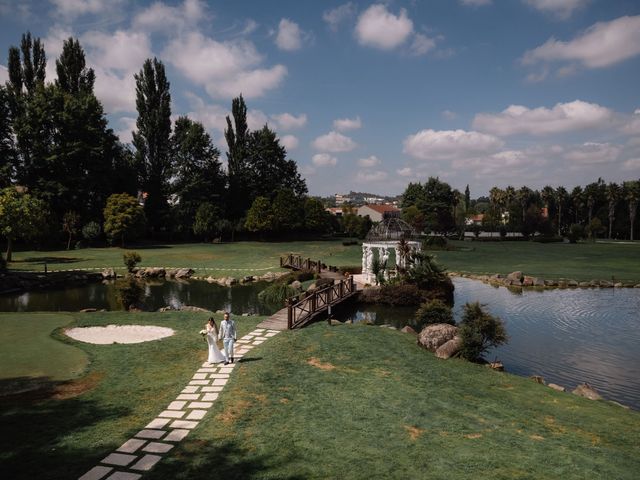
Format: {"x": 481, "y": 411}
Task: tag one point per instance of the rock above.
{"x": 605, "y": 284}
{"x": 311, "y": 287}
{"x": 572, "y": 283}
{"x": 637, "y": 286}
{"x": 170, "y": 272}
{"x": 108, "y": 273}
{"x": 618, "y": 285}
{"x": 210, "y": 279}
{"x": 587, "y": 391}
{"x": 538, "y": 282}
{"x": 296, "y": 284}
{"x": 550, "y": 283}
{"x": 220, "y": 312}
{"x": 335, "y": 322}
{"x": 584, "y": 284}
{"x": 515, "y": 276}
{"x": 191, "y": 308}
{"x": 245, "y": 314}
{"x": 247, "y": 279}
{"x": 88, "y": 310}
{"x": 432, "y": 336}
{"x": 527, "y": 282}
{"x": 537, "y": 379}
{"x": 184, "y": 273}
{"x": 497, "y": 366}
{"x": 557, "y": 387}
{"x": 450, "y": 348}
{"x": 408, "y": 329}
{"x": 230, "y": 281}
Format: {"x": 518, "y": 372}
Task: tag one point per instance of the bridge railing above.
{"x": 296, "y": 262}
{"x": 299, "y": 310}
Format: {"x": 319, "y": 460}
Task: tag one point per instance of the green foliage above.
{"x": 299, "y": 275}
{"x": 3, "y": 263}
{"x": 91, "y": 231}
{"x": 70, "y": 225}
{"x": 131, "y": 259}
{"x": 206, "y": 220}
{"x": 435, "y": 200}
{"x": 123, "y": 217}
{"x": 433, "y": 311}
{"x": 576, "y": 232}
{"x": 414, "y": 217}
{"x": 21, "y": 216}
{"x": 276, "y": 294}
{"x": 594, "y": 228}
{"x": 435, "y": 242}
{"x": 424, "y": 272}
{"x": 288, "y": 212}
{"x": 316, "y": 219}
{"x": 260, "y": 216}
{"x": 7, "y": 144}
{"x": 130, "y": 292}
{"x": 479, "y": 331}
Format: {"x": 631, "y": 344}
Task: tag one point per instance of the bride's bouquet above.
{"x": 203, "y": 332}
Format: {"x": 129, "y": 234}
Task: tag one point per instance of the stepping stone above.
{"x": 131, "y": 445}
{"x": 184, "y": 424}
{"x": 216, "y": 388}
{"x": 270, "y": 334}
{"x": 146, "y": 463}
{"x": 157, "y": 447}
{"x": 247, "y": 337}
{"x": 96, "y": 473}
{"x": 219, "y": 381}
{"x": 176, "y": 435}
{"x": 258, "y": 342}
{"x": 176, "y": 405}
{"x": 275, "y": 332}
{"x": 123, "y": 476}
{"x": 200, "y": 405}
{"x": 172, "y": 414}
{"x": 199, "y": 382}
{"x": 158, "y": 423}
{"x": 207, "y": 370}
{"x": 209, "y": 397}
{"x": 261, "y": 338}
{"x": 190, "y": 389}
{"x": 196, "y": 415}
{"x": 226, "y": 369}
{"x": 154, "y": 434}
{"x": 199, "y": 376}
{"x": 219, "y": 375}
{"x": 121, "y": 459}
{"x": 189, "y": 396}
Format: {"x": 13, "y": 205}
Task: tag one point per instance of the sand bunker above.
{"x": 119, "y": 334}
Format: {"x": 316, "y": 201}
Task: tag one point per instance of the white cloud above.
{"x": 250, "y": 27}
{"x": 336, "y": 16}
{"x": 449, "y": 115}
{"x": 121, "y": 50}
{"x": 369, "y": 162}
{"x": 256, "y": 119}
{"x": 561, "y": 8}
{"x": 563, "y": 117}
{"x": 476, "y": 3}
{"x": 405, "y": 172}
{"x": 225, "y": 69}
{"x": 289, "y": 142}
{"x": 128, "y": 126}
{"x": 379, "y": 28}
{"x": 289, "y": 36}
{"x": 601, "y": 45}
{"x": 632, "y": 126}
{"x": 212, "y": 116}
{"x": 117, "y": 92}
{"x": 288, "y": 121}
{"x": 592, "y": 153}
{"x": 344, "y": 124}
{"x": 422, "y": 44}
{"x": 633, "y": 164}
{"x": 74, "y": 8}
{"x": 334, "y": 142}
{"x": 324, "y": 160}
{"x": 165, "y": 18}
{"x": 307, "y": 170}
{"x": 449, "y": 144}
{"x": 4, "y": 74}
{"x": 371, "y": 177}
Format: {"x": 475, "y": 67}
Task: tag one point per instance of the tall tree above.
{"x": 7, "y": 147}
{"x": 73, "y": 75}
{"x": 633, "y": 195}
{"x": 577, "y": 202}
{"x": 197, "y": 172}
{"x": 524, "y": 195}
{"x": 613, "y": 195}
{"x": 561, "y": 195}
{"x": 21, "y": 216}
{"x": 152, "y": 139}
{"x": 236, "y": 135}
{"x": 467, "y": 198}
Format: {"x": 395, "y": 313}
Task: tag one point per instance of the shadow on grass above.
{"x": 205, "y": 459}
{"x": 40, "y": 434}
{"x": 43, "y": 260}
{"x": 249, "y": 359}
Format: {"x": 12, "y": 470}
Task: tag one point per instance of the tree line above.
{"x": 598, "y": 209}
{"x": 66, "y": 175}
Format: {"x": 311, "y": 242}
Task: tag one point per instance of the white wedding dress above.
{"x": 215, "y": 355}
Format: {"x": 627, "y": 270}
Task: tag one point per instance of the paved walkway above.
{"x": 147, "y": 447}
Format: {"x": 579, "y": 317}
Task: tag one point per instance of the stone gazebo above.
{"x": 381, "y": 240}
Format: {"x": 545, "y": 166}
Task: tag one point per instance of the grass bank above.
{"x": 581, "y": 262}
{"x": 324, "y": 402}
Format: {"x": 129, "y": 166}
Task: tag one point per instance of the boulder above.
{"x": 587, "y": 391}
{"x": 527, "y": 282}
{"x": 618, "y": 285}
{"x": 538, "y": 282}
{"x": 296, "y": 284}
{"x": 515, "y": 277}
{"x": 89, "y": 310}
{"x": 108, "y": 273}
{"x": 408, "y": 329}
{"x": 247, "y": 279}
{"x": 550, "y": 283}
{"x": 170, "y": 272}
{"x": 191, "y": 308}
{"x": 497, "y": 366}
{"x": 537, "y": 379}
{"x": 184, "y": 273}
{"x": 605, "y": 284}
{"x": 572, "y": 283}
{"x": 557, "y": 387}
{"x": 432, "y": 336}
{"x": 311, "y": 287}
{"x": 450, "y": 348}
{"x": 210, "y": 279}
{"x": 335, "y": 322}
{"x": 584, "y": 284}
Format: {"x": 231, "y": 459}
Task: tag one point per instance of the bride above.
{"x": 215, "y": 356}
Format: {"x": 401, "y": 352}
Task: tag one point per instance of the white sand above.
{"x": 119, "y": 334}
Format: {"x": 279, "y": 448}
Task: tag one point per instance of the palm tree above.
{"x": 613, "y": 194}
{"x": 496, "y": 198}
{"x": 509, "y": 197}
{"x": 524, "y": 194}
{"x": 590, "y": 203}
{"x": 561, "y": 196}
{"x": 577, "y": 202}
{"x": 633, "y": 194}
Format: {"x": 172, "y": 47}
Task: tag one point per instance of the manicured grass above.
{"x": 28, "y": 350}
{"x": 583, "y": 261}
{"x": 322, "y": 402}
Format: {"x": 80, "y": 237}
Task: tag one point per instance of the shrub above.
{"x": 299, "y": 275}
{"x": 351, "y": 269}
{"x": 434, "y": 242}
{"x": 3, "y": 263}
{"x": 131, "y": 259}
{"x": 276, "y": 294}
{"x": 433, "y": 311}
{"x": 129, "y": 291}
{"x": 576, "y": 232}
{"x": 424, "y": 272}
{"x": 545, "y": 239}
{"x": 479, "y": 331}
{"x": 348, "y": 243}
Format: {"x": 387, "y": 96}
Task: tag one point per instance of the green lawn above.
{"x": 322, "y": 402}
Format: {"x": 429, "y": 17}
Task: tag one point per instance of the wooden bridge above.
{"x": 309, "y": 306}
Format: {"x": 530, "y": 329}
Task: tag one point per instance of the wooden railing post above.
{"x": 341, "y": 288}
{"x": 289, "y": 315}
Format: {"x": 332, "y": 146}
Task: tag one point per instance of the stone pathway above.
{"x": 147, "y": 447}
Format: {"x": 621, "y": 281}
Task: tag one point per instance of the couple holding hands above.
{"x": 227, "y": 334}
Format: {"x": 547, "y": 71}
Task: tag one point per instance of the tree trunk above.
{"x": 69, "y": 242}
{"x": 9, "y": 249}
{"x": 559, "y": 220}
{"x": 632, "y": 216}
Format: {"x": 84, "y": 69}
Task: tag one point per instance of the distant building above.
{"x": 334, "y": 211}
{"x": 377, "y": 213}
{"x": 474, "y": 219}
{"x": 341, "y": 199}
{"x": 376, "y": 200}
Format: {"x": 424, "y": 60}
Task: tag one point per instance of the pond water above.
{"x": 567, "y": 336}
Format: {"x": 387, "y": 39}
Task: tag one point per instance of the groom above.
{"x": 228, "y": 336}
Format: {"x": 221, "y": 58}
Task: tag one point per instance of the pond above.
{"x": 567, "y": 336}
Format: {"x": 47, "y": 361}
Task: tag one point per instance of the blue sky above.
{"x": 369, "y": 96}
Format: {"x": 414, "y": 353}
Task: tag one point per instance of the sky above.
{"x": 369, "y": 96}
